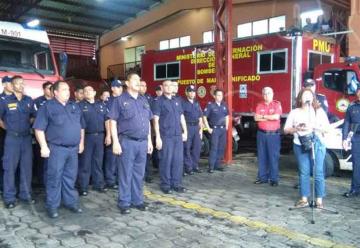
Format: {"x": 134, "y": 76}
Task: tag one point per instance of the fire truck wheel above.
{"x": 329, "y": 163}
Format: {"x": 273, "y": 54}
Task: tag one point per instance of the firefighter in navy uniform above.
{"x": 7, "y": 91}
{"x": 41, "y": 100}
{"x": 39, "y": 162}
{"x": 216, "y": 120}
{"x": 59, "y": 129}
{"x": 130, "y": 116}
{"x": 117, "y": 88}
{"x": 16, "y": 116}
{"x": 351, "y": 133}
{"x": 171, "y": 132}
{"x": 150, "y": 99}
{"x": 310, "y": 84}
{"x": 91, "y": 160}
{"x": 193, "y": 117}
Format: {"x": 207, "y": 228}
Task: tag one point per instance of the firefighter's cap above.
{"x": 190, "y": 88}
{"x": 116, "y": 83}
{"x": 309, "y": 82}
{"x": 6, "y": 79}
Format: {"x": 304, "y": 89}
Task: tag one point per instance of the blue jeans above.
{"x": 304, "y": 163}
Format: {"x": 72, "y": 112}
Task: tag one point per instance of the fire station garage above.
{"x": 168, "y": 123}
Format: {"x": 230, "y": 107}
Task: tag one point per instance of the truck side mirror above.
{"x": 63, "y": 58}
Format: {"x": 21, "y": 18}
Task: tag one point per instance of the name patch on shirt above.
{"x": 12, "y": 106}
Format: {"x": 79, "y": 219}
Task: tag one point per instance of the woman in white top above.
{"x": 306, "y": 119}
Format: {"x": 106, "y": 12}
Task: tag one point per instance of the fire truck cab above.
{"x": 26, "y": 52}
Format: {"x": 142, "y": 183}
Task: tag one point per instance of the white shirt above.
{"x": 310, "y": 119}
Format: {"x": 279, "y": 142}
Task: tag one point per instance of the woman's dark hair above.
{"x": 315, "y": 103}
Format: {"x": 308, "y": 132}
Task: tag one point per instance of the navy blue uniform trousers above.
{"x": 2, "y": 143}
{"x": 171, "y": 162}
{"x": 17, "y": 152}
{"x": 268, "y": 149}
{"x": 91, "y": 161}
{"x": 131, "y": 169}
{"x": 110, "y": 166}
{"x": 192, "y": 148}
{"x": 62, "y": 168}
{"x": 217, "y": 147}
{"x": 355, "y": 155}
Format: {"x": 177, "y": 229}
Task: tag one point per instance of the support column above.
{"x": 223, "y": 57}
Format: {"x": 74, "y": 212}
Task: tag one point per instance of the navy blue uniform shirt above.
{"x": 323, "y": 102}
{"x": 109, "y": 103}
{"x": 192, "y": 110}
{"x": 216, "y": 114}
{"x": 40, "y": 101}
{"x": 16, "y": 114}
{"x": 149, "y": 98}
{"x": 169, "y": 112}
{"x": 94, "y": 115}
{"x": 352, "y": 119}
{"x": 62, "y": 124}
{"x": 132, "y": 115}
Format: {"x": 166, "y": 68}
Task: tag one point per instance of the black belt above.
{"x": 66, "y": 146}
{"x": 218, "y": 126}
{"x": 94, "y": 133}
{"x": 192, "y": 123}
{"x": 270, "y": 132}
{"x": 18, "y": 134}
{"x": 133, "y": 138}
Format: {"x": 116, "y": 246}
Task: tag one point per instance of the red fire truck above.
{"x": 27, "y": 52}
{"x": 280, "y": 61}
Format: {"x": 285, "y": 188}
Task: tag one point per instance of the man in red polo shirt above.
{"x": 267, "y": 117}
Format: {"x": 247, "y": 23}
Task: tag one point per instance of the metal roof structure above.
{"x": 84, "y": 18}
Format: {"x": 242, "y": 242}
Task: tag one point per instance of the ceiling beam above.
{"x": 78, "y": 14}
{"x": 66, "y": 21}
{"x": 73, "y": 30}
{"x": 96, "y": 7}
{"x": 130, "y": 3}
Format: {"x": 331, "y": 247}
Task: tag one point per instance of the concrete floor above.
{"x": 224, "y": 209}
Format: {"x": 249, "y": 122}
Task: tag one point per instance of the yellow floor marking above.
{"x": 292, "y": 235}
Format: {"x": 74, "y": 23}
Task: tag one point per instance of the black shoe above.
{"x": 167, "y": 191}
{"x": 258, "y": 181}
{"x": 112, "y": 186}
{"x": 179, "y": 189}
{"x": 141, "y": 207}
{"x": 101, "y": 190}
{"x": 197, "y": 170}
{"x": 83, "y": 193}
{"x": 148, "y": 179}
{"x": 75, "y": 209}
{"x": 52, "y": 213}
{"x": 220, "y": 168}
{"x": 125, "y": 210}
{"x": 28, "y": 201}
{"x": 274, "y": 184}
{"x": 351, "y": 194}
{"x": 10, "y": 205}
{"x": 210, "y": 171}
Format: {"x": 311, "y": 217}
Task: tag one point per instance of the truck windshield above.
{"x": 25, "y": 56}
{"x": 341, "y": 80}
